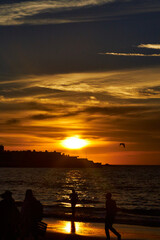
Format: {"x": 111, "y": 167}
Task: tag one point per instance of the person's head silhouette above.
{"x": 73, "y": 191}
{"x": 29, "y": 194}
{"x": 6, "y": 195}
{"x": 108, "y": 196}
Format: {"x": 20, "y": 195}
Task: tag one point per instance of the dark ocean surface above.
{"x": 136, "y": 190}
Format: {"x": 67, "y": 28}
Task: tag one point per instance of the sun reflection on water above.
{"x": 72, "y": 227}
{"x": 67, "y": 227}
{"x": 79, "y": 228}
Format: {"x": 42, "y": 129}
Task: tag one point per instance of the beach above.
{"x": 61, "y": 230}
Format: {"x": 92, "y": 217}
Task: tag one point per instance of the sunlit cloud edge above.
{"x": 150, "y": 46}
{"x": 130, "y": 54}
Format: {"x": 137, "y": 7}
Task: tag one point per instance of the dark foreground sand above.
{"x": 60, "y": 230}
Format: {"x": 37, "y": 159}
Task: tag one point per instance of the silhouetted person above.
{"x": 74, "y": 200}
{"x": 111, "y": 210}
{"x": 73, "y": 228}
{"x": 31, "y": 214}
{"x": 9, "y": 217}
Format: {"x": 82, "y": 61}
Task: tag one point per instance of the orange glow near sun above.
{"x": 74, "y": 143}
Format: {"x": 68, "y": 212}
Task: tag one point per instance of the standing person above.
{"x": 9, "y": 217}
{"x": 74, "y": 200}
{"x": 111, "y": 210}
{"x": 31, "y": 214}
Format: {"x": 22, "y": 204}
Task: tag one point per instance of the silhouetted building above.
{"x": 43, "y": 159}
{"x": 1, "y": 148}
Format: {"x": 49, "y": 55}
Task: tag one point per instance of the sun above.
{"x": 74, "y": 143}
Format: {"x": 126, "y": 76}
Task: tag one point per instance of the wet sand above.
{"x": 61, "y": 230}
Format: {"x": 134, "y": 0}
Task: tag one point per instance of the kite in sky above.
{"x": 122, "y": 144}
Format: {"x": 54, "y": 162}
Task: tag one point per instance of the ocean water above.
{"x": 136, "y": 189}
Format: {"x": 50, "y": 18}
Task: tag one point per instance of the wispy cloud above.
{"x": 53, "y": 12}
{"x": 150, "y": 46}
{"x": 22, "y": 12}
{"x": 131, "y": 54}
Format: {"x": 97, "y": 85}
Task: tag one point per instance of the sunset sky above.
{"x": 87, "y": 68}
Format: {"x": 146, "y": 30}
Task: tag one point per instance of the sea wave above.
{"x": 92, "y": 214}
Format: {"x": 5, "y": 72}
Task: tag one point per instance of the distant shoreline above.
{"x": 102, "y": 167}
{"x": 35, "y": 159}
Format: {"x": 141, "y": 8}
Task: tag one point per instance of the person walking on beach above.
{"x": 31, "y": 214}
{"x": 74, "y": 200}
{"x": 9, "y": 217}
{"x": 111, "y": 210}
